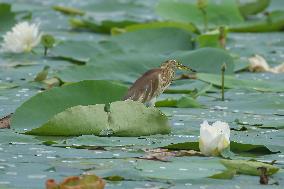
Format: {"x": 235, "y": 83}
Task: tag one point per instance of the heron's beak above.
{"x": 183, "y": 67}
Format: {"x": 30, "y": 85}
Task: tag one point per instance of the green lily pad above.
{"x": 249, "y": 167}
{"x": 125, "y": 118}
{"x": 128, "y": 66}
{"x": 41, "y": 107}
{"x": 165, "y": 24}
{"x": 273, "y": 22}
{"x": 68, "y": 10}
{"x": 104, "y": 26}
{"x": 187, "y": 11}
{"x": 252, "y": 7}
{"x": 7, "y": 17}
{"x": 227, "y": 174}
{"x": 235, "y": 147}
{"x": 233, "y": 82}
{"x": 183, "y": 102}
{"x": 130, "y": 43}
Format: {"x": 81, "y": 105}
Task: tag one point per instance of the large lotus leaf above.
{"x": 7, "y": 17}
{"x": 249, "y": 167}
{"x": 125, "y": 67}
{"x": 206, "y": 60}
{"x": 129, "y": 66}
{"x": 74, "y": 50}
{"x": 41, "y": 107}
{"x": 101, "y": 16}
{"x": 233, "y": 82}
{"x": 272, "y": 22}
{"x": 125, "y": 118}
{"x": 161, "y": 39}
{"x": 265, "y": 103}
{"x": 223, "y": 12}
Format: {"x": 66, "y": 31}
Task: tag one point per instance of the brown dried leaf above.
{"x": 159, "y": 154}
{"x": 76, "y": 182}
{"x": 263, "y": 178}
{"x": 5, "y": 122}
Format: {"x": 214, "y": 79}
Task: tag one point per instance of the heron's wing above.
{"x": 145, "y": 87}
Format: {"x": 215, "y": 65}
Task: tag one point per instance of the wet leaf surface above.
{"x": 253, "y": 104}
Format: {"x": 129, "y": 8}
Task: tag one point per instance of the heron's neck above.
{"x": 168, "y": 73}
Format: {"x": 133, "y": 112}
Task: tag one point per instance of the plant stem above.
{"x": 222, "y": 37}
{"x": 205, "y": 19}
{"x": 223, "y": 68}
{"x": 45, "y": 51}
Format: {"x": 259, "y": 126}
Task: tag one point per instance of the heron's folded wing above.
{"x": 144, "y": 88}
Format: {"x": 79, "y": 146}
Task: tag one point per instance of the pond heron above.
{"x": 153, "y": 83}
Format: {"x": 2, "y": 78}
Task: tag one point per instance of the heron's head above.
{"x": 173, "y": 64}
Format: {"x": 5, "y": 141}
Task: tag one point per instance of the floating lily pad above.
{"x": 124, "y": 118}
{"x": 128, "y": 66}
{"x": 274, "y": 21}
{"x": 233, "y": 82}
{"x": 183, "y": 102}
{"x": 187, "y": 11}
{"x": 40, "y": 108}
{"x": 249, "y": 167}
{"x": 236, "y": 147}
{"x": 252, "y": 7}
{"x": 7, "y": 17}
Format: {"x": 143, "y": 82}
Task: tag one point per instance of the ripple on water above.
{"x": 36, "y": 176}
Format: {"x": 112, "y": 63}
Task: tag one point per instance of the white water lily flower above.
{"x": 214, "y": 138}
{"x": 258, "y": 64}
{"x": 23, "y": 38}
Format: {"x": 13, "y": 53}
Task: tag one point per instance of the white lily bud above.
{"x": 23, "y": 38}
{"x": 214, "y": 138}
